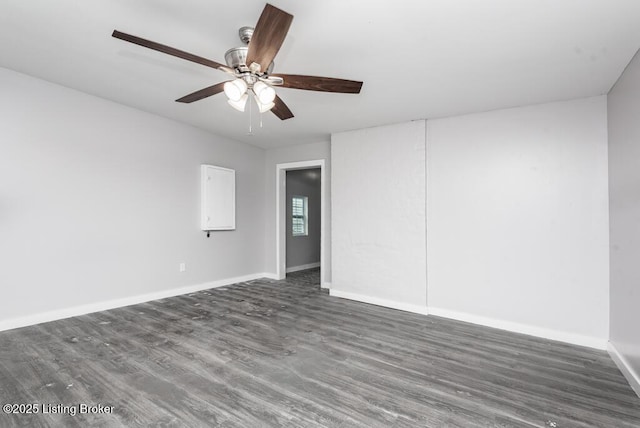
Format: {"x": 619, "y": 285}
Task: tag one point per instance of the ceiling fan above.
{"x": 251, "y": 67}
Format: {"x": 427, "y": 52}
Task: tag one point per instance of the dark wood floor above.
{"x": 283, "y": 353}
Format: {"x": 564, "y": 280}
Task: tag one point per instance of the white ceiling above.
{"x": 418, "y": 59}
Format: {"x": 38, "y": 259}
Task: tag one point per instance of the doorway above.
{"x": 300, "y": 217}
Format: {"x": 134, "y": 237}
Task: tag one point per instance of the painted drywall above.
{"x": 378, "y": 214}
{"x": 304, "y": 152}
{"x": 101, "y": 202}
{"x": 304, "y": 250}
{"x": 624, "y": 215}
{"x": 517, "y": 219}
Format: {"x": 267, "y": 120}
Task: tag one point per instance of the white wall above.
{"x": 304, "y": 152}
{"x": 624, "y": 212}
{"x": 517, "y": 219}
{"x": 378, "y": 215}
{"x": 99, "y": 201}
{"x": 304, "y": 250}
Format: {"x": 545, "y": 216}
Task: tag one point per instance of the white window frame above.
{"x": 304, "y": 216}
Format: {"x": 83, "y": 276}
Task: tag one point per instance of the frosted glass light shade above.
{"x": 239, "y": 104}
{"x": 265, "y": 107}
{"x": 265, "y": 93}
{"x": 235, "y": 89}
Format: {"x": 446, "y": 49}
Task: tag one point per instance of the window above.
{"x": 300, "y": 216}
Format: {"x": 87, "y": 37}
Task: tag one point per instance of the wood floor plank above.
{"x": 283, "y": 353}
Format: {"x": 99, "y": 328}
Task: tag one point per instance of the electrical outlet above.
{"x": 183, "y": 267}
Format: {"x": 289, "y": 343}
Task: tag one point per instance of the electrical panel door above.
{"x": 218, "y": 198}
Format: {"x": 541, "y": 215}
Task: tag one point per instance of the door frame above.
{"x": 281, "y": 218}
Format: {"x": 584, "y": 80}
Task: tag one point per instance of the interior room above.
{"x": 320, "y": 214}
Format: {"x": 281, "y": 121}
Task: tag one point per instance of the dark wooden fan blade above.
{"x": 281, "y": 110}
{"x": 169, "y": 50}
{"x": 202, "y": 93}
{"x": 323, "y": 84}
{"x": 270, "y": 31}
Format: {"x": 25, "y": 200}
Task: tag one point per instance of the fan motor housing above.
{"x": 237, "y": 57}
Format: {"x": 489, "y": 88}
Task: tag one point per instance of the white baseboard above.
{"x": 269, "y": 275}
{"x": 303, "y": 267}
{"x": 407, "y": 307}
{"x": 631, "y": 375}
{"x": 118, "y": 303}
{"x": 545, "y": 333}
{"x": 567, "y": 337}
{"x": 326, "y": 285}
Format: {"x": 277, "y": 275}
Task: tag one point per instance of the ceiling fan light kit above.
{"x": 266, "y": 107}
{"x": 240, "y": 103}
{"x": 264, "y": 93}
{"x": 252, "y": 65}
{"x": 235, "y": 89}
